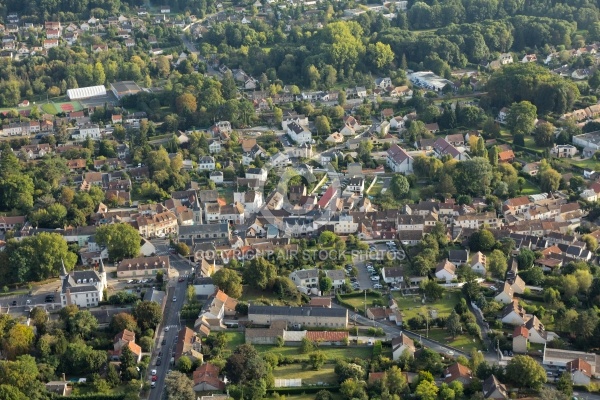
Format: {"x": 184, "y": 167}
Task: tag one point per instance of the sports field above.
{"x": 62, "y": 107}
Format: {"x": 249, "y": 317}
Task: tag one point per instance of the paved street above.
{"x": 171, "y": 320}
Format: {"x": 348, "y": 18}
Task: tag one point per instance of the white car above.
{"x": 377, "y": 286}
{"x": 375, "y": 278}
{"x": 153, "y": 372}
{"x": 166, "y": 329}
{"x": 174, "y": 299}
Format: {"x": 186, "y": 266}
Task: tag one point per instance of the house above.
{"x": 401, "y": 91}
{"x": 206, "y": 163}
{"x": 308, "y": 278}
{"x": 11, "y": 223}
{"x": 214, "y": 146}
{"x": 494, "y": 390}
{"x": 50, "y": 43}
{"x": 216, "y": 177}
{"x": 259, "y": 174}
{"x": 320, "y": 302}
{"x": 400, "y": 344}
{"x": 189, "y": 345}
{"x": 529, "y": 58}
{"x": 458, "y": 372}
{"x": 206, "y": 378}
{"x": 142, "y": 266}
{"x": 446, "y": 271}
{"x": 531, "y": 168}
{"x": 520, "y": 340}
{"x": 356, "y": 184}
{"x": 398, "y": 160}
{"x": 563, "y": 151}
{"x": 165, "y": 9}
{"x": 581, "y": 371}
{"x": 479, "y": 263}
{"x": 505, "y": 59}
{"x": 393, "y": 274}
{"x": 82, "y": 288}
{"x": 335, "y": 138}
{"x": 506, "y": 156}
{"x": 60, "y": 388}
{"x": 456, "y": 139}
{"x": 298, "y": 133}
{"x": 317, "y": 317}
{"x": 506, "y": 295}
{"x": 337, "y": 276}
{"x": 514, "y": 314}
{"x": 502, "y": 115}
{"x": 458, "y": 257}
{"x": 383, "y": 83}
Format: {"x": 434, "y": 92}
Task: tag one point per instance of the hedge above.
{"x": 302, "y": 390}
{"x": 93, "y": 397}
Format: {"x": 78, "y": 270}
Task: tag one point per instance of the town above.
{"x": 303, "y": 199}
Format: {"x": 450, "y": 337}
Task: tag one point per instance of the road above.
{"x": 170, "y": 320}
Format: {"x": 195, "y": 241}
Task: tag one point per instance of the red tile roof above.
{"x": 521, "y": 331}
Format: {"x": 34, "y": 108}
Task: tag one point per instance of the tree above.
{"x": 380, "y": 55}
{"x": 259, "y": 273}
{"x": 179, "y": 387}
{"x": 328, "y": 238}
{"x": 497, "y": 263}
{"x": 8, "y": 392}
{"x": 549, "y": 180}
{"x": 544, "y": 134}
{"x": 184, "y": 364}
{"x": 453, "y": 325}
{"x": 432, "y": 290}
{"x": 482, "y": 240}
{"x": 524, "y": 371}
{"x": 317, "y": 359}
{"x": 182, "y": 249}
{"x": 322, "y": 125}
{"x": 148, "y": 314}
{"x": 394, "y": 381}
{"x": 565, "y": 384}
{"x": 547, "y": 393}
{"x": 123, "y": 321}
{"x": 426, "y": 390}
{"x": 521, "y": 118}
{"x": 246, "y": 368}
{"x": 473, "y": 177}
{"x": 228, "y": 281}
{"x": 591, "y": 243}
{"x": 325, "y": 284}
{"x": 122, "y": 240}
{"x": 570, "y": 286}
{"x": 525, "y": 259}
{"x": 82, "y": 324}
{"x": 399, "y": 186}
{"x": 18, "y": 340}
{"x": 353, "y": 389}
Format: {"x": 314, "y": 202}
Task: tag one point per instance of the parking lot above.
{"x": 363, "y": 279}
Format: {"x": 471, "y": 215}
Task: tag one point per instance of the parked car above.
{"x": 375, "y": 278}
{"x": 377, "y": 286}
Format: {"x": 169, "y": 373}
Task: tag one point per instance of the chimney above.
{"x": 64, "y": 379}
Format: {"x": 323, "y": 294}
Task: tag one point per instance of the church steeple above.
{"x": 101, "y": 270}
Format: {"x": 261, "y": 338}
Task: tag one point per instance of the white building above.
{"x": 82, "y": 288}
{"x": 398, "y": 160}
{"x": 91, "y": 131}
{"x": 298, "y": 133}
{"x": 206, "y": 163}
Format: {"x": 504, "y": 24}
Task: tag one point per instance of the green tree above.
{"x": 184, "y": 364}
{"x": 322, "y": 125}
{"x": 399, "y": 186}
{"x": 325, "y": 284}
{"x": 497, "y": 263}
{"x": 353, "y": 389}
{"x": 544, "y": 134}
{"x": 228, "y": 281}
{"x": 453, "y": 324}
{"x": 182, "y": 249}
{"x": 473, "y": 177}
{"x": 179, "y": 387}
{"x": 317, "y": 359}
{"x": 18, "y": 340}
{"x": 482, "y": 240}
{"x": 521, "y": 118}
{"x": 426, "y": 390}
{"x": 122, "y": 240}
{"x": 259, "y": 273}
{"x": 431, "y": 289}
{"x": 381, "y": 55}
{"x": 148, "y": 314}
{"x": 565, "y": 384}
{"x": 525, "y": 372}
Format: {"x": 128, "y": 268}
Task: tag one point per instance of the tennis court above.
{"x": 63, "y": 107}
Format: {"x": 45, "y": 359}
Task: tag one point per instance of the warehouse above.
{"x": 124, "y": 88}
{"x": 86, "y": 92}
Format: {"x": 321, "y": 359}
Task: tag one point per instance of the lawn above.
{"x": 462, "y": 342}
{"x": 331, "y": 352}
{"x": 234, "y": 339}
{"x": 226, "y": 193}
{"x": 530, "y": 188}
{"x": 359, "y": 301}
{"x": 411, "y": 306}
{"x": 325, "y": 376}
{"x": 590, "y": 163}
{"x": 376, "y": 189}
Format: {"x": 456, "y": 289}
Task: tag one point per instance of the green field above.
{"x": 412, "y": 306}
{"x": 462, "y": 342}
{"x": 325, "y": 375}
{"x": 530, "y": 188}
{"x": 59, "y": 107}
{"x": 331, "y": 352}
{"x": 359, "y": 301}
{"x": 234, "y": 339}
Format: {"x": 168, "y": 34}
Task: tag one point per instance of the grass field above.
{"x": 234, "y": 339}
{"x": 324, "y": 376}
{"x": 530, "y": 188}
{"x": 412, "y": 306}
{"x": 462, "y": 342}
{"x": 359, "y": 302}
{"x": 332, "y": 353}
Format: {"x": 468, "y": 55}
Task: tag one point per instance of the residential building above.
{"x": 563, "y": 151}
{"x": 82, "y": 288}
{"x": 445, "y": 271}
{"x": 308, "y": 278}
{"x": 143, "y": 267}
{"x": 458, "y": 372}
{"x": 520, "y": 340}
{"x": 493, "y": 389}
{"x": 580, "y": 370}
{"x": 299, "y": 316}
{"x": 479, "y": 263}
{"x": 298, "y": 133}
{"x": 206, "y": 378}
{"x": 189, "y": 345}
{"x": 400, "y": 344}
{"x": 398, "y": 160}
{"x": 514, "y": 314}
{"x": 506, "y": 295}
{"x": 560, "y": 358}
{"x": 206, "y": 163}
